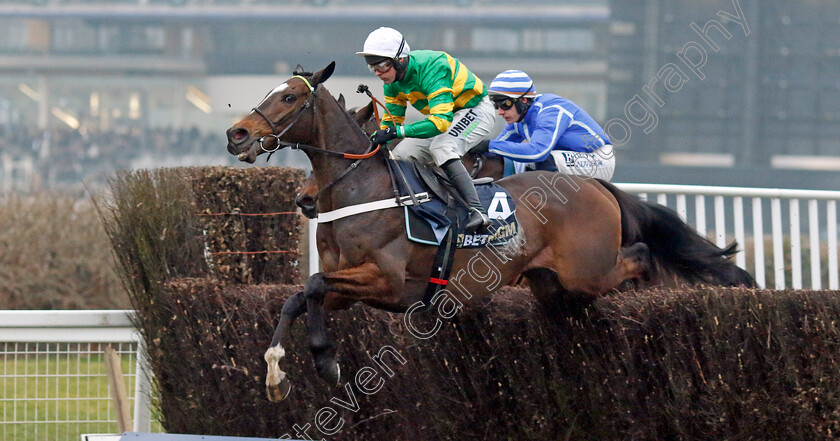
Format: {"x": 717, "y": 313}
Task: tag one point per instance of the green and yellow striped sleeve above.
{"x": 396, "y": 104}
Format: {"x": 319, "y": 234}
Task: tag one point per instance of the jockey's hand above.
{"x": 481, "y": 147}
{"x": 382, "y": 136}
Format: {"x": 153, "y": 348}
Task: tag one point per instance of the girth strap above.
{"x": 352, "y": 210}
{"x": 444, "y": 258}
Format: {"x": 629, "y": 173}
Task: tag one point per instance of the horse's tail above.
{"x": 674, "y": 245}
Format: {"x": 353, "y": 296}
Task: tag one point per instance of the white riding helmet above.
{"x": 385, "y": 42}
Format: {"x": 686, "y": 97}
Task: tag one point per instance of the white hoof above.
{"x": 276, "y": 384}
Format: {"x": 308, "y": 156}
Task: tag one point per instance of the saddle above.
{"x": 430, "y": 221}
{"x": 440, "y": 221}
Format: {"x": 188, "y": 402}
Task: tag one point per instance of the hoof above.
{"x": 332, "y": 374}
{"x": 278, "y": 392}
{"x": 337, "y": 379}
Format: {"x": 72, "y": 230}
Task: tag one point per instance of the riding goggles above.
{"x": 504, "y": 104}
{"x": 381, "y": 67}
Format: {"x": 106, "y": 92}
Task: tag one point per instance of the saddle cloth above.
{"x": 429, "y": 222}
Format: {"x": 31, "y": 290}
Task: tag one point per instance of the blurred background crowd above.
{"x": 712, "y": 92}
{"x": 66, "y": 158}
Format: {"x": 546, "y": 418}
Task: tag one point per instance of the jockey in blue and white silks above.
{"x": 546, "y": 131}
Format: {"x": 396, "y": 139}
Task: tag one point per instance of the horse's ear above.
{"x": 341, "y": 101}
{"x": 298, "y": 70}
{"x": 364, "y": 114}
{"x": 323, "y": 75}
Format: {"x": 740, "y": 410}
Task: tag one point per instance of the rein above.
{"x": 344, "y": 173}
{"x": 298, "y": 146}
{"x": 389, "y": 158}
{"x": 478, "y": 164}
{"x": 366, "y": 90}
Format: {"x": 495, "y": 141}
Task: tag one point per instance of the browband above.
{"x": 311, "y": 89}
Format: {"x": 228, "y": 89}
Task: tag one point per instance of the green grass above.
{"x": 58, "y": 397}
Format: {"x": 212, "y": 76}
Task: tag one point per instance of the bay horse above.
{"x": 679, "y": 255}
{"x": 569, "y": 239}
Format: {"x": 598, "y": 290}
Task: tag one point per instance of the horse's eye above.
{"x": 289, "y": 98}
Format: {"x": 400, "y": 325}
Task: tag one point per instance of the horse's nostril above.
{"x": 238, "y": 134}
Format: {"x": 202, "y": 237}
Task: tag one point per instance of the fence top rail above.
{"x": 730, "y": 191}
{"x": 99, "y": 325}
{"x": 98, "y": 318}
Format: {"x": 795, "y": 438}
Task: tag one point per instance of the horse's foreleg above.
{"x": 276, "y": 382}
{"x": 363, "y": 282}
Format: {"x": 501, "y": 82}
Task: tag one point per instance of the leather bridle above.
{"x": 295, "y": 115}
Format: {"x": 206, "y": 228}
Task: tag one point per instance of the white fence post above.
{"x": 814, "y": 234}
{"x": 758, "y": 242}
{"x": 795, "y": 245}
{"x": 740, "y": 235}
{"x": 142, "y": 391}
{"x": 700, "y": 214}
{"x": 720, "y": 222}
{"x": 778, "y": 243}
{"x": 831, "y": 210}
{"x": 682, "y": 209}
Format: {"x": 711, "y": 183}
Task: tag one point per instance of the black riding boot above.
{"x": 463, "y": 182}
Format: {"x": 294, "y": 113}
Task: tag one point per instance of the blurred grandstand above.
{"x": 91, "y": 86}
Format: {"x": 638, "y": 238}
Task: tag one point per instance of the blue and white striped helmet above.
{"x": 514, "y": 84}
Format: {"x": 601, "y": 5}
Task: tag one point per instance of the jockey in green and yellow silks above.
{"x": 459, "y": 114}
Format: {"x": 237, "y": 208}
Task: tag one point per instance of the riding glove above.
{"x": 382, "y": 136}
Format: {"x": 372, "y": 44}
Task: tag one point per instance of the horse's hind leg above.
{"x": 594, "y": 277}
{"x": 633, "y": 263}
{"x": 276, "y": 383}
{"x": 556, "y": 301}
